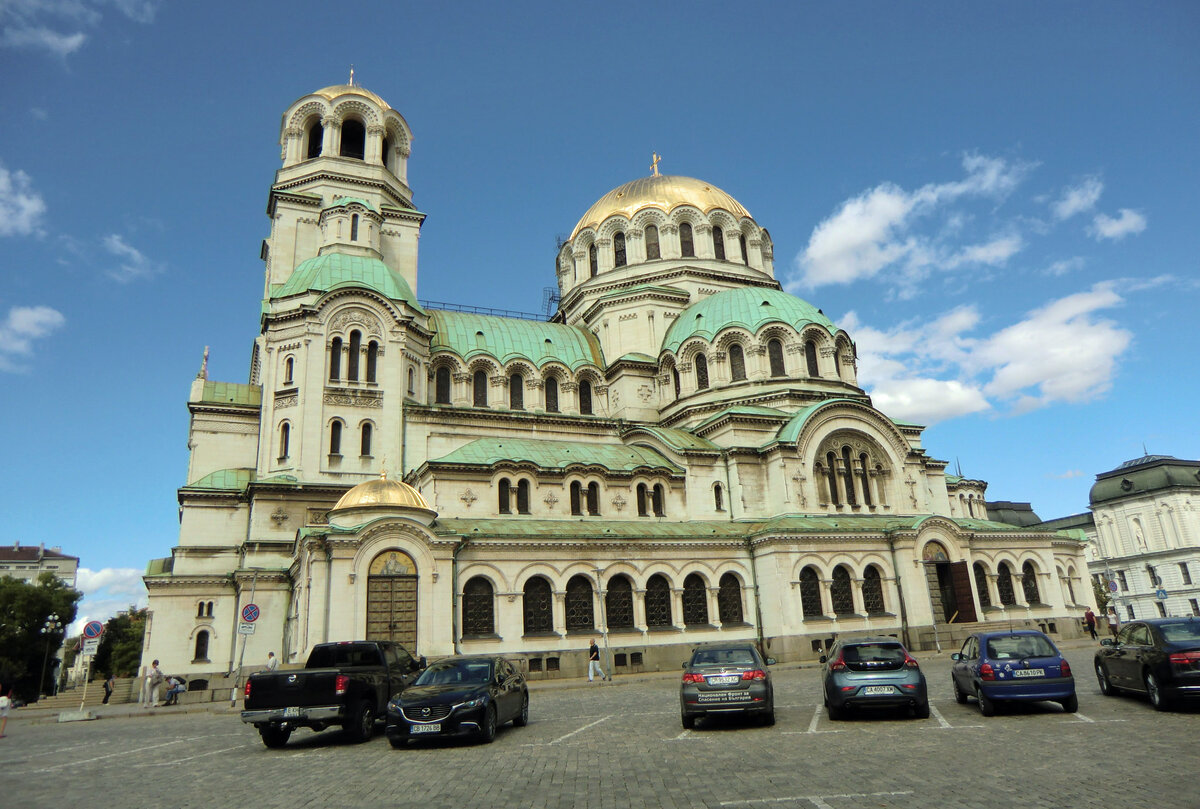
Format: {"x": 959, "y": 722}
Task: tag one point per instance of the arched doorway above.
{"x": 392, "y": 599}
{"x": 949, "y": 586}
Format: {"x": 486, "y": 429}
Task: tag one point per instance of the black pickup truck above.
{"x": 346, "y": 684}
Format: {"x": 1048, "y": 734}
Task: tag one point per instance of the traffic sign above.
{"x": 245, "y": 628}
{"x": 93, "y": 629}
{"x": 250, "y": 614}
{"x": 90, "y": 647}
{"x": 1112, "y": 586}
{"x": 1161, "y": 594}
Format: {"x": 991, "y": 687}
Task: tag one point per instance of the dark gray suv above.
{"x": 726, "y": 678}
{"x": 876, "y": 672}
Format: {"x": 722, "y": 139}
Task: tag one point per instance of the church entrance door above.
{"x": 392, "y": 599}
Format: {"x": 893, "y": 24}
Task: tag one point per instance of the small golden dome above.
{"x": 338, "y": 90}
{"x": 382, "y": 492}
{"x": 663, "y": 191}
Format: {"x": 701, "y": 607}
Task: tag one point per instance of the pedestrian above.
{"x": 5, "y": 702}
{"x": 175, "y": 687}
{"x": 109, "y": 685}
{"x": 594, "y": 662}
{"x": 1114, "y": 623}
{"x": 272, "y": 661}
{"x": 1089, "y": 618}
{"x": 154, "y": 681}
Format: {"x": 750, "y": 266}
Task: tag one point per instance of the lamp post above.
{"x": 51, "y": 627}
{"x": 604, "y": 623}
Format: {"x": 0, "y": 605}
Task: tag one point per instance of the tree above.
{"x": 120, "y": 651}
{"x": 24, "y": 648}
{"x": 1100, "y": 588}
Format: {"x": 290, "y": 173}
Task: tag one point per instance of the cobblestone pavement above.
{"x": 621, "y": 745}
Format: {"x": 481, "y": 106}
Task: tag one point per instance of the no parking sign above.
{"x": 250, "y": 614}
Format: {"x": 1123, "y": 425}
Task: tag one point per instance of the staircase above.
{"x": 124, "y": 690}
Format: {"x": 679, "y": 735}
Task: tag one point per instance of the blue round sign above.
{"x": 93, "y": 629}
{"x": 250, "y": 613}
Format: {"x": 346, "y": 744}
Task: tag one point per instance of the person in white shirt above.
{"x": 272, "y": 661}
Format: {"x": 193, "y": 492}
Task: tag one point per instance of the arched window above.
{"x": 516, "y": 392}
{"x": 335, "y": 438}
{"x": 478, "y": 608}
{"x": 373, "y": 365}
{"x": 412, "y": 377}
{"x": 593, "y": 260}
{"x": 810, "y": 356}
{"x": 538, "y": 607}
{"x": 1004, "y": 585}
{"x": 695, "y": 601}
{"x": 652, "y": 250}
{"x": 831, "y": 469}
{"x": 480, "y": 388}
{"x": 742, "y": 244}
{"x": 352, "y": 359}
{"x": 643, "y": 500}
{"x": 657, "y": 500}
{"x": 1029, "y": 583}
{"x": 593, "y": 499}
{"x": 718, "y": 497}
{"x": 335, "y": 359}
{"x": 364, "y": 444}
{"x": 441, "y": 385}
{"x": 837, "y": 364}
{"x": 551, "y": 394}
{"x": 737, "y": 362}
{"x": 775, "y": 356}
{"x": 675, "y": 378}
{"x": 289, "y": 366}
{"x": 285, "y": 434}
{"x": 354, "y": 139}
{"x": 522, "y": 496}
{"x": 576, "y": 498}
{"x": 686, "y": 248}
{"x": 585, "y": 398}
{"x": 580, "y": 616}
{"x": 618, "y": 603}
{"x": 208, "y": 608}
{"x": 872, "y": 590}
{"x": 701, "y": 372}
{"x": 354, "y": 227}
{"x": 200, "y": 610}
{"x": 316, "y": 134}
{"x": 810, "y": 593}
{"x": 618, "y": 249}
{"x": 729, "y": 600}
{"x": 981, "y": 587}
{"x": 864, "y": 463}
{"x": 848, "y": 477}
{"x": 385, "y": 151}
{"x": 839, "y": 591}
{"x": 504, "y": 497}
{"x": 201, "y": 647}
{"x": 658, "y": 601}
{"x": 718, "y": 243}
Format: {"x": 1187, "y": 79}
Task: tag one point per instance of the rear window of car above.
{"x": 1182, "y": 631}
{"x": 344, "y": 656}
{"x": 456, "y": 672}
{"x": 723, "y": 657}
{"x": 874, "y": 653}
{"x": 1019, "y": 646}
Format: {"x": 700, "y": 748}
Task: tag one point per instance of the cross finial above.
{"x": 383, "y": 469}
{"x": 204, "y": 366}
{"x": 654, "y": 158}
{"x": 351, "y": 75}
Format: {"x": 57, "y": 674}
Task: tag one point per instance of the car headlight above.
{"x": 394, "y": 706}
{"x": 474, "y": 703}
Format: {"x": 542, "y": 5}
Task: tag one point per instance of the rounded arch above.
{"x": 537, "y": 605}
{"x": 695, "y": 599}
{"x": 479, "y": 607}
{"x": 730, "y": 608}
{"x": 809, "y": 580}
{"x": 351, "y": 108}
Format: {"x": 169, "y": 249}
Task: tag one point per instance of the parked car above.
{"x": 347, "y": 684}
{"x": 1018, "y": 665}
{"x": 872, "y": 672}
{"x": 726, "y": 678}
{"x": 459, "y": 696}
{"x": 1159, "y": 657}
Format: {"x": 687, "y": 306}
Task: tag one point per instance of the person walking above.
{"x": 272, "y": 661}
{"x": 109, "y": 685}
{"x": 1089, "y": 619}
{"x": 594, "y": 662}
{"x": 154, "y": 681}
{"x": 5, "y": 702}
{"x": 1114, "y": 622}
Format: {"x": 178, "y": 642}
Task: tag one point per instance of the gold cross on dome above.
{"x": 351, "y": 75}
{"x": 654, "y": 158}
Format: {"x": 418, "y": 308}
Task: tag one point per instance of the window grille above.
{"x": 658, "y": 601}
{"x": 695, "y": 601}
{"x": 539, "y": 615}
{"x": 579, "y": 605}
{"x": 839, "y": 592}
{"x": 618, "y": 603}
{"x": 729, "y": 600}
{"x": 478, "y": 607}
{"x": 873, "y": 591}
{"x": 810, "y": 593}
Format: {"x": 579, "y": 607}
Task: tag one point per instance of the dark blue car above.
{"x": 1021, "y": 665}
{"x": 459, "y": 696}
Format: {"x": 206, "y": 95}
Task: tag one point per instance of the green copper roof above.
{"x": 676, "y": 438}
{"x": 637, "y": 356}
{"x": 224, "y": 480}
{"x": 743, "y": 410}
{"x": 231, "y": 393}
{"x": 748, "y": 307}
{"x": 556, "y": 455}
{"x": 337, "y": 270}
{"x": 1141, "y": 476}
{"x": 504, "y": 339}
{"x": 340, "y": 201}
{"x": 791, "y": 430}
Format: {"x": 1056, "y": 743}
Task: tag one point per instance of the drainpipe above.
{"x": 891, "y": 541}
{"x": 328, "y": 589}
{"x": 758, "y": 629}
{"x": 462, "y": 543}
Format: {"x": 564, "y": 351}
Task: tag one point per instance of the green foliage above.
{"x": 120, "y": 651}
{"x": 24, "y": 608}
{"x": 1100, "y": 588}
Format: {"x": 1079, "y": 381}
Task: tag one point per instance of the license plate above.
{"x": 434, "y": 728}
{"x": 723, "y": 680}
{"x": 872, "y": 690}
{"x": 1029, "y": 672}
{"x": 292, "y": 711}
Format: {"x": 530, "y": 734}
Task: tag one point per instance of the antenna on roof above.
{"x": 958, "y": 466}
{"x": 1144, "y": 450}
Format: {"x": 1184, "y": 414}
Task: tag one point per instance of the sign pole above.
{"x": 238, "y": 676}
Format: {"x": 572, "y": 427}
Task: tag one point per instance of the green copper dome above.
{"x": 468, "y": 334}
{"x": 748, "y": 307}
{"x": 337, "y": 270}
{"x": 1143, "y": 476}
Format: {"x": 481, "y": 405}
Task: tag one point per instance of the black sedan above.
{"x": 1159, "y": 657}
{"x": 729, "y": 678}
{"x": 459, "y": 696}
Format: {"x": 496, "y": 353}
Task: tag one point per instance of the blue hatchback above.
{"x": 1019, "y": 665}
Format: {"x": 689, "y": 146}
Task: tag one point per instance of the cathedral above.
{"x": 681, "y": 453}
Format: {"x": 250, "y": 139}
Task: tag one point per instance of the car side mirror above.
{"x": 771, "y": 661}
{"x": 822, "y": 659}
{"x": 1107, "y": 642}
{"x": 956, "y": 656}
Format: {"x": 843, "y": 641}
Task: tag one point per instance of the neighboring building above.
{"x": 27, "y": 562}
{"x": 681, "y": 454}
{"x": 1143, "y": 534}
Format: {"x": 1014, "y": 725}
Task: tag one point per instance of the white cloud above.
{"x": 21, "y": 207}
{"x": 21, "y": 327}
{"x": 1106, "y": 227}
{"x": 1078, "y": 199}
{"x": 38, "y": 24}
{"x": 1068, "y": 475}
{"x": 992, "y": 254}
{"x": 106, "y": 592}
{"x": 1066, "y": 265}
{"x": 60, "y": 45}
{"x": 132, "y": 264}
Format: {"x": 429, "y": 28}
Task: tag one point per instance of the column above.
{"x": 332, "y": 139}
{"x": 714, "y": 606}
{"x": 677, "y": 607}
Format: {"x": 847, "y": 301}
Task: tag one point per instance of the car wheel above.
{"x": 522, "y": 719}
{"x": 274, "y": 738}
{"x": 922, "y": 711}
{"x": 768, "y": 718}
{"x": 487, "y": 732}
{"x": 986, "y": 706}
{"x": 1071, "y": 704}
{"x": 398, "y": 743}
{"x": 836, "y": 712}
{"x": 1106, "y": 686}
{"x": 960, "y": 696}
{"x": 1153, "y": 690}
{"x": 361, "y": 725}
{"x": 687, "y": 720}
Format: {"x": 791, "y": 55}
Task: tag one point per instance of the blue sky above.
{"x": 998, "y": 201}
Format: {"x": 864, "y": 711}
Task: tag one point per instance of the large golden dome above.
{"x": 382, "y": 492}
{"x": 338, "y": 90}
{"x": 663, "y": 191}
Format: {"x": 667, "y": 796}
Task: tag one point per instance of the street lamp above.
{"x": 604, "y": 622}
{"x": 51, "y": 627}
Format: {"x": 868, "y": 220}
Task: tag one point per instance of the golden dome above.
{"x": 663, "y": 191}
{"x": 338, "y": 90}
{"x": 382, "y": 492}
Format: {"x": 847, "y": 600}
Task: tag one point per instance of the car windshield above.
{"x": 1180, "y": 632}
{"x": 723, "y": 657}
{"x": 874, "y": 653}
{"x": 456, "y": 672}
{"x": 1019, "y": 647}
